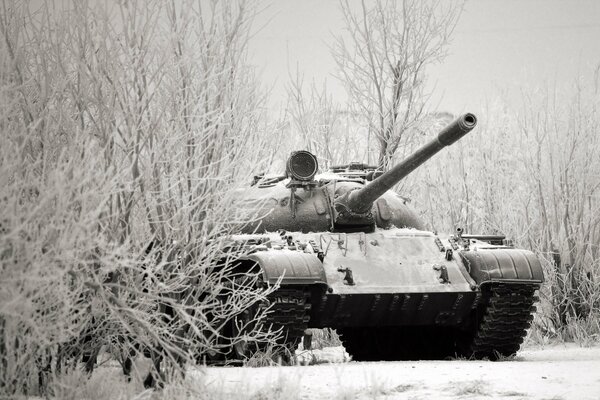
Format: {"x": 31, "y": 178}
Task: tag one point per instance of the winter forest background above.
{"x": 132, "y": 122}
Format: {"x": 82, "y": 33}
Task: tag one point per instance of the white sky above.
{"x": 499, "y": 48}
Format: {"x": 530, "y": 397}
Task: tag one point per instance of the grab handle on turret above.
{"x": 361, "y": 200}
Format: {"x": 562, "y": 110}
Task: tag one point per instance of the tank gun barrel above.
{"x": 361, "y": 200}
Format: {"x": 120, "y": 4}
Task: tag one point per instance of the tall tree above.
{"x": 383, "y": 58}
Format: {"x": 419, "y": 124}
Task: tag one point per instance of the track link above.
{"x": 507, "y": 316}
{"x": 290, "y": 310}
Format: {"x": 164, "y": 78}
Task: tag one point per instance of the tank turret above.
{"x": 349, "y": 198}
{"x": 362, "y": 199}
{"x": 355, "y": 205}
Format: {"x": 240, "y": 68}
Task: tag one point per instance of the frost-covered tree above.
{"x": 125, "y": 128}
{"x": 382, "y": 60}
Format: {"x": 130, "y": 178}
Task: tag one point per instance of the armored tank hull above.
{"x": 403, "y": 293}
{"x": 348, "y": 253}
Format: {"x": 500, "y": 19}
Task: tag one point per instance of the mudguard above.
{"x": 503, "y": 265}
{"x": 294, "y": 267}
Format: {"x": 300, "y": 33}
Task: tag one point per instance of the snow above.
{"x": 557, "y": 372}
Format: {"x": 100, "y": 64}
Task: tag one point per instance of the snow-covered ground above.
{"x": 557, "y": 372}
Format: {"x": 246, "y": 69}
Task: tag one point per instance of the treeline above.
{"x": 126, "y": 128}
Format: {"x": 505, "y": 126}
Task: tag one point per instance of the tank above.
{"x": 349, "y": 253}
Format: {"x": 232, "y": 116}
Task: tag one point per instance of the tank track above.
{"x": 507, "y": 315}
{"x": 290, "y": 310}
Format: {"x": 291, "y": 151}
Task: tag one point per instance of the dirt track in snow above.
{"x": 558, "y": 372}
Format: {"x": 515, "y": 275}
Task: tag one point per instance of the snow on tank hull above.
{"x": 403, "y": 277}
{"x": 444, "y": 296}
{"x": 399, "y": 277}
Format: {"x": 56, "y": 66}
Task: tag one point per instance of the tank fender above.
{"x": 512, "y": 265}
{"x": 295, "y": 267}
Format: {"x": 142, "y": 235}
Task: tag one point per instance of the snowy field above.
{"x": 557, "y": 372}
